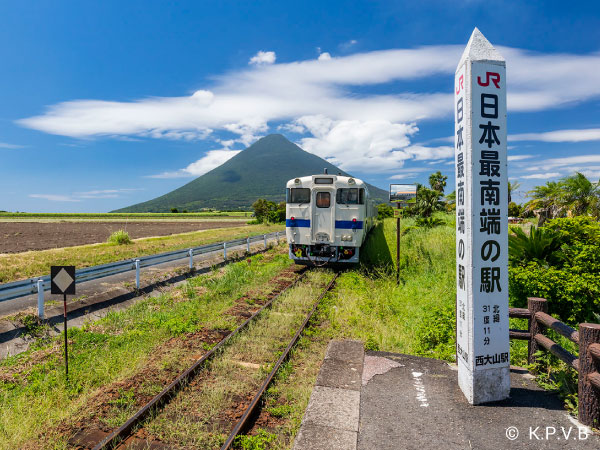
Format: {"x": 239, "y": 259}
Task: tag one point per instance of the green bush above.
{"x": 384, "y": 210}
{"x": 435, "y": 333}
{"x": 568, "y": 277}
{"x": 119, "y": 237}
{"x": 429, "y": 222}
{"x": 514, "y": 209}
{"x": 541, "y": 244}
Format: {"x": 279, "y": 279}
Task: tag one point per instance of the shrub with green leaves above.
{"x": 565, "y": 271}
{"x": 119, "y": 237}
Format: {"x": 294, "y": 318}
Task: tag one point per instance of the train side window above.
{"x": 323, "y": 199}
{"x": 297, "y": 195}
{"x": 350, "y": 196}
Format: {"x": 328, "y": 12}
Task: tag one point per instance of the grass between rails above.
{"x": 40, "y": 411}
{"x": 16, "y": 266}
{"x": 202, "y": 415}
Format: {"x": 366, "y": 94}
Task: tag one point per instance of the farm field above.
{"x": 18, "y": 237}
{"x": 122, "y": 217}
{"x": 16, "y": 266}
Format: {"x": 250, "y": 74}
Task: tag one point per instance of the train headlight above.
{"x": 346, "y": 237}
{"x": 351, "y": 181}
{"x": 297, "y": 181}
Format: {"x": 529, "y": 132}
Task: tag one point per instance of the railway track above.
{"x": 124, "y": 437}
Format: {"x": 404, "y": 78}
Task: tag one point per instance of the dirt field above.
{"x": 18, "y": 237}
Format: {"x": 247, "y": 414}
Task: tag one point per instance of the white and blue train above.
{"x": 328, "y": 218}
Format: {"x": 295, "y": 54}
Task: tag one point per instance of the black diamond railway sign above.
{"x": 62, "y": 280}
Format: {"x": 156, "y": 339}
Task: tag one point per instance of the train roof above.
{"x": 338, "y": 180}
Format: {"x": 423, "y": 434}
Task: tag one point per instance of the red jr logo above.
{"x": 493, "y": 76}
{"x": 460, "y": 84}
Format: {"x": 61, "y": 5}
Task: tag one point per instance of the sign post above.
{"x": 482, "y": 339}
{"x": 62, "y": 281}
{"x": 403, "y": 194}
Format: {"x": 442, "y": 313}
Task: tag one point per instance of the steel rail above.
{"x": 124, "y": 431}
{"x": 244, "y": 420}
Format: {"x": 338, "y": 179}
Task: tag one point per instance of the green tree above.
{"x": 546, "y": 201}
{"x": 437, "y": 181}
{"x": 428, "y": 201}
{"x": 268, "y": 211}
{"x": 174, "y": 210}
{"x": 451, "y": 201}
{"x": 512, "y": 187}
{"x": 261, "y": 209}
{"x": 580, "y": 195}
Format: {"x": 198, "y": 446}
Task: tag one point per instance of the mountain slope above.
{"x": 260, "y": 171}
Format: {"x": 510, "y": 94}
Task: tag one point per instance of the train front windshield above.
{"x": 297, "y": 195}
{"x": 350, "y": 196}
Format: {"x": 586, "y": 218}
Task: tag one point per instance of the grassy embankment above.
{"x": 16, "y": 266}
{"x": 133, "y": 352}
{"x": 120, "y": 217}
{"x": 416, "y": 317}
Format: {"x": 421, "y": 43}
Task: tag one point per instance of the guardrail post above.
{"x": 40, "y": 292}
{"x": 137, "y": 273}
{"x": 225, "y": 251}
{"x": 277, "y": 236}
{"x": 589, "y": 397}
{"x": 265, "y": 238}
{"x": 248, "y": 244}
{"x": 191, "y": 253}
{"x": 534, "y": 304}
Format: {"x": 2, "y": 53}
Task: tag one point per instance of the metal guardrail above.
{"x": 16, "y": 289}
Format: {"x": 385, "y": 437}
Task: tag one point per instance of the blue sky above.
{"x": 105, "y": 104}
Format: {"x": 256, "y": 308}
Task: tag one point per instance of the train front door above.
{"x": 323, "y": 220}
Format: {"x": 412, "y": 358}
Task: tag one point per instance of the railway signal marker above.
{"x": 482, "y": 337}
{"x": 62, "y": 281}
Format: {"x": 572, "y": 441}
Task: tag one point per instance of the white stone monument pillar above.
{"x": 482, "y": 342}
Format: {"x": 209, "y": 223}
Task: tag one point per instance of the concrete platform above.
{"x": 381, "y": 401}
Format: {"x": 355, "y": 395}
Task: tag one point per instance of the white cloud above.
{"x": 372, "y": 145}
{"x": 325, "y": 56}
{"x": 249, "y": 102}
{"x": 212, "y": 159}
{"x": 582, "y": 161}
{"x": 79, "y": 196}
{"x": 402, "y": 176}
{"x": 11, "y": 146}
{"x": 589, "y": 134}
{"x": 103, "y": 193}
{"x": 54, "y": 198}
{"x": 540, "y": 176}
{"x": 350, "y": 144}
{"x": 263, "y": 58}
{"x": 519, "y": 157}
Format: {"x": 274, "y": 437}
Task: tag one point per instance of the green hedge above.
{"x": 571, "y": 284}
